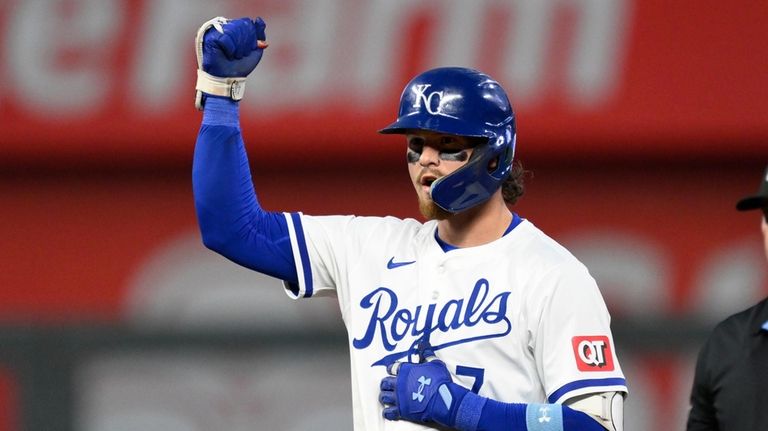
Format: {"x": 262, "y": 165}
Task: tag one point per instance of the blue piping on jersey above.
{"x": 303, "y": 254}
{"x": 516, "y": 220}
{"x": 579, "y": 384}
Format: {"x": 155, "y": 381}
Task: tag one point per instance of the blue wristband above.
{"x": 470, "y": 409}
{"x": 544, "y": 417}
{"x": 219, "y": 111}
{"x": 499, "y": 416}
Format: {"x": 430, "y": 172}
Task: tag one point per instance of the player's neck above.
{"x": 479, "y": 225}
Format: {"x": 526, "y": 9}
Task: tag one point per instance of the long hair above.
{"x": 513, "y": 187}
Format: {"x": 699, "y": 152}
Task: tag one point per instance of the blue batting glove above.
{"x": 227, "y": 52}
{"x": 236, "y": 49}
{"x": 421, "y": 393}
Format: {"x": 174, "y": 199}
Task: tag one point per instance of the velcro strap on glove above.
{"x": 227, "y": 87}
{"x": 233, "y": 88}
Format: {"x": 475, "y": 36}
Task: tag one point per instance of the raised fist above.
{"x": 227, "y": 52}
{"x": 233, "y": 48}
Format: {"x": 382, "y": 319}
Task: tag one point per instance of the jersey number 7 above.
{"x": 477, "y": 373}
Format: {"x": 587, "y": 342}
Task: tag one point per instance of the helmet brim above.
{"x": 752, "y": 203}
{"x": 437, "y": 123}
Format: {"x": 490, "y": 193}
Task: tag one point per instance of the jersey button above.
{"x": 435, "y": 294}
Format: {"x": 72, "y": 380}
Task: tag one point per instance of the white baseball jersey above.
{"x": 516, "y": 320}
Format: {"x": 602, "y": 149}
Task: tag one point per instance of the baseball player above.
{"x": 472, "y": 320}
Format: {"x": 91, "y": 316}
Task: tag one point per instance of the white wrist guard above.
{"x": 234, "y": 88}
{"x": 607, "y": 408}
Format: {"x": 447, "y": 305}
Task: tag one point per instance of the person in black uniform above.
{"x": 730, "y": 387}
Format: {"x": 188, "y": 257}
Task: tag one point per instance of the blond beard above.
{"x": 431, "y": 211}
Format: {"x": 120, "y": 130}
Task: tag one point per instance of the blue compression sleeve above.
{"x": 232, "y": 223}
{"x": 489, "y": 415}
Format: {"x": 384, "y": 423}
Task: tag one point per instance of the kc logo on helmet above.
{"x": 422, "y": 97}
{"x": 593, "y": 353}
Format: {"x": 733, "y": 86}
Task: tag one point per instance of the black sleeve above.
{"x": 702, "y": 414}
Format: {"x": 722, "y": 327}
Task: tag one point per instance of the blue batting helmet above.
{"x": 463, "y": 102}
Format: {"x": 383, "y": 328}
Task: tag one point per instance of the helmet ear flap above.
{"x": 505, "y": 157}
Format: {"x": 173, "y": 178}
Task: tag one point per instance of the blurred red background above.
{"x": 642, "y": 121}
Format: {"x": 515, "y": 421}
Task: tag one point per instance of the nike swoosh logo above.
{"x": 392, "y": 264}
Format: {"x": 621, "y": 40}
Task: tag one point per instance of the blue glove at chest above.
{"x": 422, "y": 393}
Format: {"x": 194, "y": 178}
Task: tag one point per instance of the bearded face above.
{"x": 430, "y": 210}
{"x": 431, "y": 156}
